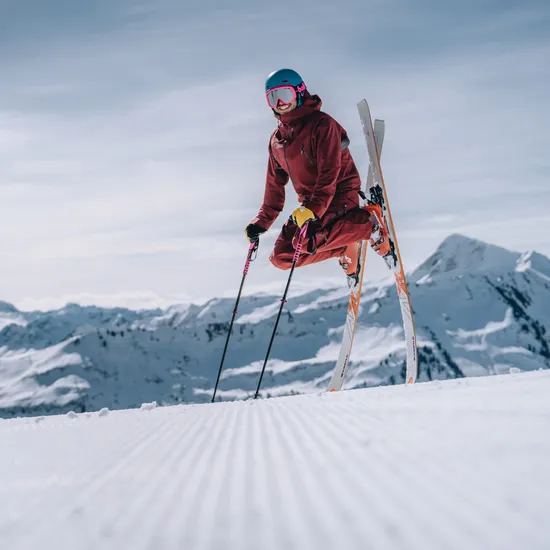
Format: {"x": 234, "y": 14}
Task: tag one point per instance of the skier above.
{"x": 311, "y": 148}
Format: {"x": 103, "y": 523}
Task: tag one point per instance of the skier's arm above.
{"x": 328, "y": 140}
{"x": 274, "y": 195}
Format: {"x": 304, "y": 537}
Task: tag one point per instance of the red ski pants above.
{"x": 326, "y": 238}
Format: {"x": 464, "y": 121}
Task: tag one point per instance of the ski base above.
{"x": 352, "y": 314}
{"x": 376, "y": 194}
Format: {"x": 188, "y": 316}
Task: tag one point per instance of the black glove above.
{"x": 253, "y": 232}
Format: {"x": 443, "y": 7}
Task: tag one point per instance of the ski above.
{"x": 376, "y": 193}
{"x": 352, "y": 314}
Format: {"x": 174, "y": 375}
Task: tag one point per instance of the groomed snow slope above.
{"x": 454, "y": 465}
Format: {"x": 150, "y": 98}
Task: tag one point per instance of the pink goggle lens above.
{"x": 283, "y": 94}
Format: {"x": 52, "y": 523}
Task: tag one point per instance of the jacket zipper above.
{"x": 284, "y": 154}
{"x": 306, "y": 155}
{"x": 286, "y": 161}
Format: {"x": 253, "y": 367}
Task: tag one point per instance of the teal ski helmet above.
{"x": 286, "y": 78}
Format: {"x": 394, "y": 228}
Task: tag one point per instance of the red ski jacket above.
{"x": 310, "y": 147}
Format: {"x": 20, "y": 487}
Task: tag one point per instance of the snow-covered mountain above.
{"x": 479, "y": 310}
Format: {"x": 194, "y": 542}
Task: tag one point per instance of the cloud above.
{"x": 133, "y": 137}
{"x": 130, "y": 300}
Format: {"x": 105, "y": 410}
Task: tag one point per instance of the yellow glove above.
{"x": 302, "y": 215}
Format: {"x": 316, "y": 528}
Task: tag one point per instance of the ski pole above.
{"x": 253, "y": 248}
{"x": 283, "y": 302}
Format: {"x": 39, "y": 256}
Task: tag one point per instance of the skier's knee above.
{"x": 279, "y": 262}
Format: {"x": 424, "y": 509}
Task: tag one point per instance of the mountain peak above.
{"x": 5, "y": 307}
{"x": 535, "y": 262}
{"x": 459, "y": 254}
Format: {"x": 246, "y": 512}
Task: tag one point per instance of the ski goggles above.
{"x": 283, "y": 94}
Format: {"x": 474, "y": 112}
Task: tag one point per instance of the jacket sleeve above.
{"x": 327, "y": 138}
{"x": 274, "y": 194}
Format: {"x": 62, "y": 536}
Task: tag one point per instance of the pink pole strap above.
{"x": 300, "y": 243}
{"x": 249, "y": 258}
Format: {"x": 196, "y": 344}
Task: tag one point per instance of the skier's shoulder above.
{"x": 324, "y": 122}
{"x": 326, "y": 126}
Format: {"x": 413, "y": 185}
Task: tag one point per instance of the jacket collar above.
{"x": 311, "y": 104}
{"x": 295, "y": 119}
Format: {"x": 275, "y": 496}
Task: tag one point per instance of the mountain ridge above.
{"x": 479, "y": 309}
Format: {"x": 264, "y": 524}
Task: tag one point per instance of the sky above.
{"x": 133, "y": 135}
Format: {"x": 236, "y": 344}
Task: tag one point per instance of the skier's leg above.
{"x": 319, "y": 256}
{"x": 335, "y": 240}
{"x": 357, "y": 225}
{"x": 283, "y": 250}
{"x": 341, "y": 238}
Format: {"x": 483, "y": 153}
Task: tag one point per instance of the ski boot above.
{"x": 379, "y": 238}
{"x": 350, "y": 262}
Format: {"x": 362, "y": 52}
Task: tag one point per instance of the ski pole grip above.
{"x": 251, "y": 249}
{"x": 301, "y": 237}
